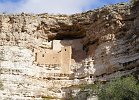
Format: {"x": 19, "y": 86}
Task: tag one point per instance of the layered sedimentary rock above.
{"x": 41, "y": 55}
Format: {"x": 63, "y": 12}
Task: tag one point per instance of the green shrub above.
{"x": 126, "y": 88}
{"x": 1, "y": 85}
{"x": 120, "y": 89}
{"x": 133, "y": 1}
{"x": 87, "y": 90}
{"x": 49, "y": 98}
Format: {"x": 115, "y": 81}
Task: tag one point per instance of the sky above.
{"x": 52, "y": 6}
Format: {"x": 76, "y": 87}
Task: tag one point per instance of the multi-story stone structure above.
{"x": 61, "y": 55}
{"x": 43, "y": 55}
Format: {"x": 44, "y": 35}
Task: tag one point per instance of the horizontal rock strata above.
{"x": 96, "y": 45}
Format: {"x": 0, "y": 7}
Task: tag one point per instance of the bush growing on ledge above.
{"x": 87, "y": 90}
{"x": 120, "y": 89}
{"x": 133, "y": 1}
{"x": 125, "y": 88}
{"x": 1, "y": 86}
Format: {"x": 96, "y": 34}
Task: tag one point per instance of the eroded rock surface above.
{"x": 96, "y": 45}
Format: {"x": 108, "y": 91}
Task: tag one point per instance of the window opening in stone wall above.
{"x": 32, "y": 50}
{"x": 65, "y": 49}
{"x": 35, "y": 56}
{"x": 42, "y": 55}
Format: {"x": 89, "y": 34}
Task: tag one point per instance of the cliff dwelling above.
{"x": 61, "y": 55}
{"x": 45, "y": 55}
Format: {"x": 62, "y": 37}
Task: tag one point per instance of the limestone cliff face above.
{"x": 115, "y": 39}
{"x": 114, "y": 45}
{"x": 111, "y": 38}
{"x": 108, "y": 47}
{"x": 105, "y": 40}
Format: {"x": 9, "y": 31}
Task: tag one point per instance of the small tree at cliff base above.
{"x": 120, "y": 89}
{"x": 133, "y": 2}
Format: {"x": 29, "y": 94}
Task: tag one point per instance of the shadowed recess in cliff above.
{"x": 67, "y": 32}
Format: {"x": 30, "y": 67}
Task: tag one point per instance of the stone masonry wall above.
{"x": 109, "y": 38}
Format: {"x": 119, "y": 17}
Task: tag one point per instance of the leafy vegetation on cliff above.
{"x": 126, "y": 88}
{"x": 1, "y": 85}
{"x": 120, "y": 89}
{"x": 133, "y": 1}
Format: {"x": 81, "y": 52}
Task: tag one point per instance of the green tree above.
{"x": 133, "y": 1}
{"x": 1, "y": 85}
{"x": 120, "y": 89}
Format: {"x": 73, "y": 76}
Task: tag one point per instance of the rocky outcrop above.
{"x": 117, "y": 49}
{"x": 109, "y": 36}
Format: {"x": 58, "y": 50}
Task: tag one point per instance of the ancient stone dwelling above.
{"x": 60, "y": 55}
{"x": 46, "y": 55}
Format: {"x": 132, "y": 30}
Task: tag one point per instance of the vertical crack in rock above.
{"x": 42, "y": 55}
